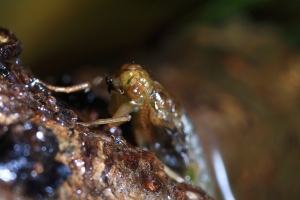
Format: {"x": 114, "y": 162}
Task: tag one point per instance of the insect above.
{"x": 156, "y": 115}
{"x": 160, "y": 124}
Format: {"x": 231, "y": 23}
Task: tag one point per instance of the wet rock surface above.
{"x": 45, "y": 155}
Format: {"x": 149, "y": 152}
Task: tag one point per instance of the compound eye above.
{"x": 134, "y": 92}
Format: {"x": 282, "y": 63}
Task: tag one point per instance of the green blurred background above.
{"x": 234, "y": 65}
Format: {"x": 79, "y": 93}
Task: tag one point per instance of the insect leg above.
{"x": 86, "y": 86}
{"x": 124, "y": 109}
{"x": 122, "y": 119}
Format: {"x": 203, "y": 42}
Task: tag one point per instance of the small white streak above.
{"x": 221, "y": 176}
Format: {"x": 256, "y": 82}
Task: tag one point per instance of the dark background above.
{"x": 234, "y": 65}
